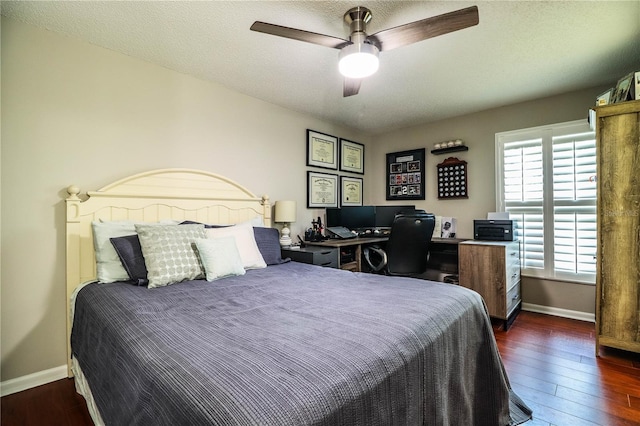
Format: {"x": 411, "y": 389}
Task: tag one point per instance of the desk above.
{"x": 443, "y": 252}
{"x": 354, "y": 244}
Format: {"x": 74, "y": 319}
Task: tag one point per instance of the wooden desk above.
{"x": 443, "y": 252}
{"x": 352, "y": 243}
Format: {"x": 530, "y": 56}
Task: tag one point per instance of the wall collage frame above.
{"x": 327, "y": 189}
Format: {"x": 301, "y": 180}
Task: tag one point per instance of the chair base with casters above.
{"x": 406, "y": 253}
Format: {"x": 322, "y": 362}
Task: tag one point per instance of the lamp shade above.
{"x": 358, "y": 60}
{"x": 285, "y": 211}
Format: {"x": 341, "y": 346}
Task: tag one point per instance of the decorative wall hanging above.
{"x": 405, "y": 175}
{"x": 322, "y": 190}
{"x": 452, "y": 179}
{"x": 322, "y": 150}
{"x": 351, "y": 156}
{"x": 350, "y": 191}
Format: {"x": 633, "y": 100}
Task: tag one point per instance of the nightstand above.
{"x": 322, "y": 256}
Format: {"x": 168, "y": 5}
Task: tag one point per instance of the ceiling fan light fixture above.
{"x": 358, "y": 60}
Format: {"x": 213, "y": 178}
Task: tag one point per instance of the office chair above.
{"x": 406, "y": 252}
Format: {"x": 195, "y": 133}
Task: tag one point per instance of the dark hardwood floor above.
{"x": 550, "y": 361}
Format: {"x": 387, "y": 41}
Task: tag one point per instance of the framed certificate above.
{"x": 351, "y": 156}
{"x": 322, "y": 190}
{"x": 322, "y": 150}
{"x": 351, "y": 191}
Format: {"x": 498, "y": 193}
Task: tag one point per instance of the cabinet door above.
{"x": 618, "y": 275}
{"x": 482, "y": 268}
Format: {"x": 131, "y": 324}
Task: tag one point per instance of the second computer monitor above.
{"x": 386, "y": 214}
{"x": 358, "y": 217}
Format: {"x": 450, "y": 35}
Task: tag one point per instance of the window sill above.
{"x": 559, "y": 279}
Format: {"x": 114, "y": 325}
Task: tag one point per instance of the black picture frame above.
{"x": 405, "y": 175}
{"x": 322, "y": 150}
{"x": 351, "y": 156}
{"x": 322, "y": 190}
{"x": 350, "y": 191}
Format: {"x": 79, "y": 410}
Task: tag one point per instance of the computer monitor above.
{"x": 386, "y": 214}
{"x": 357, "y": 217}
{"x": 333, "y": 216}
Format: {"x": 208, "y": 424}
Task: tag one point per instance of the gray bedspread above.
{"x": 292, "y": 344}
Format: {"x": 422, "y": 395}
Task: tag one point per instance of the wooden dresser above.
{"x": 618, "y": 253}
{"x": 492, "y": 268}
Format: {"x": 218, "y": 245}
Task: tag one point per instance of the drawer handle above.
{"x": 325, "y": 264}
{"x": 325, "y": 252}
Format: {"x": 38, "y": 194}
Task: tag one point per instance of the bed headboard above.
{"x": 179, "y": 194}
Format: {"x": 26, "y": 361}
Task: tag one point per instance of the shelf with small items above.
{"x": 450, "y": 149}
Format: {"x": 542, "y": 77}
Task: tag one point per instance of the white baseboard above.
{"x": 559, "y": 312}
{"x": 32, "y": 380}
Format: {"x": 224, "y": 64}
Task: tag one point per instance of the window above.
{"x": 546, "y": 180}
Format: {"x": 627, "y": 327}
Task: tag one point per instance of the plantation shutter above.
{"x": 546, "y": 181}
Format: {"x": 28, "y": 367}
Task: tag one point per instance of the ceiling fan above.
{"x": 359, "y": 54}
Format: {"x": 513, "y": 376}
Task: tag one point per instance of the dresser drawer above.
{"x": 321, "y": 256}
{"x": 513, "y": 298}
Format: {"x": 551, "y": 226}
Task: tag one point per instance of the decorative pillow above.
{"x": 220, "y": 257}
{"x": 130, "y": 253}
{"x": 268, "y": 242}
{"x": 108, "y": 266}
{"x": 169, "y": 253}
{"x": 246, "y": 242}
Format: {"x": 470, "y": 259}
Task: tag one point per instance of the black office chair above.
{"x": 406, "y": 252}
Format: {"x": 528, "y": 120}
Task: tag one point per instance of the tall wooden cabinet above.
{"x": 492, "y": 268}
{"x": 618, "y": 252}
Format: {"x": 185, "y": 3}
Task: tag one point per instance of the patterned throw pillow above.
{"x": 169, "y": 253}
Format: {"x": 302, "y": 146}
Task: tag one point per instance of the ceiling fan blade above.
{"x": 351, "y": 86}
{"x": 309, "y": 37}
{"x": 426, "y": 28}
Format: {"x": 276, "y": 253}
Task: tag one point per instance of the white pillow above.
{"x": 108, "y": 266}
{"x": 220, "y": 257}
{"x": 246, "y": 242}
{"x": 169, "y": 253}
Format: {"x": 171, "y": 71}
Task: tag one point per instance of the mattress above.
{"x": 292, "y": 344}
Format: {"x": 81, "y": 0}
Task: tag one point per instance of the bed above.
{"x": 285, "y": 344}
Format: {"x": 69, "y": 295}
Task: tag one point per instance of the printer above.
{"x": 494, "y": 230}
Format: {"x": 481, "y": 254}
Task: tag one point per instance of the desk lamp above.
{"x": 285, "y": 213}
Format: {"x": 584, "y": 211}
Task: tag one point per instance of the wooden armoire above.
{"x": 618, "y": 210}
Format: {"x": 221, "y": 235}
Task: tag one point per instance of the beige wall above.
{"x": 478, "y": 131}
{"x": 78, "y": 114}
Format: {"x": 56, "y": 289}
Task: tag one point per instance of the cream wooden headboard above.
{"x": 180, "y": 194}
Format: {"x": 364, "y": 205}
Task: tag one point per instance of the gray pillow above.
{"x": 130, "y": 253}
{"x": 268, "y": 241}
{"x": 170, "y": 254}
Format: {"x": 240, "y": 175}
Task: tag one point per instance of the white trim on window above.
{"x": 545, "y": 178}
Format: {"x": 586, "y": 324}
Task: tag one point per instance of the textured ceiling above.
{"x": 520, "y": 50}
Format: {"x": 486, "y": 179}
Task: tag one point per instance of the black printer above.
{"x": 494, "y": 230}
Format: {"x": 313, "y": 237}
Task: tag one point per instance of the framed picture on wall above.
{"x": 322, "y": 150}
{"x": 351, "y": 191}
{"x": 322, "y": 190}
{"x": 351, "y": 156}
{"x": 405, "y": 175}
